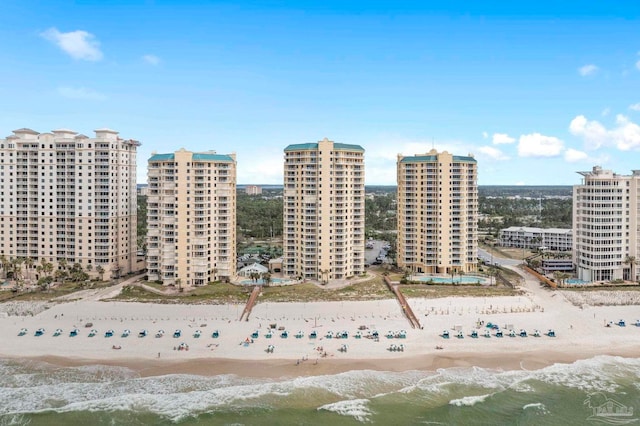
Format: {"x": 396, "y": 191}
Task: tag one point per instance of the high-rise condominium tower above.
{"x": 323, "y": 210}
{"x": 437, "y": 213}
{"x": 191, "y": 217}
{"x": 606, "y": 231}
{"x": 69, "y": 198}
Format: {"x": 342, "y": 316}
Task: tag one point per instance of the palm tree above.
{"x": 179, "y": 284}
{"x": 632, "y": 262}
{"x": 4, "y": 264}
{"x": 266, "y": 277}
{"x": 29, "y": 264}
{"x": 100, "y": 270}
{"x": 325, "y": 276}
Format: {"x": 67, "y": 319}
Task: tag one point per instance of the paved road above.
{"x": 371, "y": 254}
{"x": 500, "y": 261}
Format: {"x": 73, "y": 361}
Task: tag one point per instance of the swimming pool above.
{"x": 460, "y": 280}
{"x": 576, "y": 281}
{"x": 261, "y": 281}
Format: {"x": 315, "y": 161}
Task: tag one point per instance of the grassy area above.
{"x": 506, "y": 252}
{"x": 439, "y": 291}
{"x": 36, "y": 294}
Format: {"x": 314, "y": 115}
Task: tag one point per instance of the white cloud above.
{"x": 635, "y": 107}
{"x": 537, "y": 145}
{"x": 501, "y": 138}
{"x": 606, "y": 111}
{"x": 625, "y": 135}
{"x": 77, "y": 44}
{"x": 588, "y": 70}
{"x": 573, "y": 155}
{"x": 151, "y": 59}
{"x": 638, "y": 65}
{"x": 81, "y": 93}
{"x": 485, "y": 135}
{"x": 492, "y": 153}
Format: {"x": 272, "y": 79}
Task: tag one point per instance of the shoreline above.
{"x": 287, "y": 368}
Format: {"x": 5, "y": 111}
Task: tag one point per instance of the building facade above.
{"x": 253, "y": 190}
{"x": 606, "y": 233}
{"x": 556, "y": 239}
{"x": 437, "y": 213}
{"x": 191, "y": 218}
{"x": 69, "y": 198}
{"x": 323, "y": 233}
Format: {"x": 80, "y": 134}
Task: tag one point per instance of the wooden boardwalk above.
{"x": 250, "y": 303}
{"x": 406, "y": 309}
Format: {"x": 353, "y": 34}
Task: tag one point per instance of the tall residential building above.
{"x": 437, "y": 213}
{"x": 606, "y": 231}
{"x": 253, "y": 190}
{"x": 65, "y": 196}
{"x": 191, "y": 218}
{"x": 323, "y": 211}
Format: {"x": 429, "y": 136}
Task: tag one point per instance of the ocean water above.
{"x": 36, "y": 393}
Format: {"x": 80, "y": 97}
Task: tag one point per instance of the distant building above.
{"x": 68, "y": 197}
{"x": 143, "y": 189}
{"x": 323, "y": 211}
{"x": 191, "y": 217}
{"x": 437, "y": 208}
{"x": 606, "y": 231}
{"x": 253, "y": 190}
{"x": 555, "y": 239}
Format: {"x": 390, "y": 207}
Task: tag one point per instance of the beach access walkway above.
{"x": 406, "y": 309}
{"x": 252, "y": 301}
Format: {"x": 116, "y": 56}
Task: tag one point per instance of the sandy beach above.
{"x": 580, "y": 333}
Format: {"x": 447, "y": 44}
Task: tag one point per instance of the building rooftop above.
{"x": 196, "y": 157}
{"x": 434, "y": 158}
{"x": 314, "y": 146}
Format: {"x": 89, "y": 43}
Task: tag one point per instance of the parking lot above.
{"x": 370, "y": 255}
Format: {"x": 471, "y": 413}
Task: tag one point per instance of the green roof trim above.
{"x": 212, "y": 157}
{"x": 434, "y": 159}
{"x": 314, "y": 146}
{"x": 162, "y": 157}
{"x": 195, "y": 157}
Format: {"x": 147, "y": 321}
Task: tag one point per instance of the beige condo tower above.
{"x": 606, "y": 226}
{"x": 437, "y": 213}
{"x": 191, "y": 218}
{"x": 66, "y": 197}
{"x": 323, "y": 211}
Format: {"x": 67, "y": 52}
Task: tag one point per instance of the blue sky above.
{"x": 535, "y": 91}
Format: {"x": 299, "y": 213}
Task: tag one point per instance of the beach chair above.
{"x": 268, "y": 335}
{"x": 445, "y": 334}
{"x": 93, "y": 332}
{"x": 460, "y": 335}
{"x": 536, "y": 333}
{"x": 126, "y": 333}
{"x": 255, "y": 334}
{"x": 177, "y": 334}
{"x": 621, "y": 323}
{"x": 389, "y": 335}
{"x": 313, "y": 335}
{"x": 299, "y": 335}
{"x": 57, "y": 332}
{"x": 499, "y": 334}
{"x": 523, "y": 333}
{"x": 143, "y": 333}
{"x": 197, "y": 334}
{"x": 487, "y": 334}
{"x": 215, "y": 334}
{"x": 512, "y": 333}
{"x": 39, "y": 332}
{"x": 474, "y": 334}
{"x": 401, "y": 348}
{"x": 358, "y": 335}
{"x": 329, "y": 335}
{"x": 551, "y": 333}
{"x": 637, "y": 324}
{"x": 108, "y": 333}
{"x": 22, "y": 332}
{"x": 73, "y": 333}
{"x": 284, "y": 334}
{"x": 159, "y": 334}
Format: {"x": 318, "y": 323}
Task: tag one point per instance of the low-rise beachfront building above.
{"x": 68, "y": 198}
{"x": 437, "y": 212}
{"x": 191, "y": 218}
{"x": 606, "y": 231}
{"x": 555, "y": 239}
{"x": 323, "y": 233}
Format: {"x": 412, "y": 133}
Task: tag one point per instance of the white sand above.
{"x": 579, "y": 331}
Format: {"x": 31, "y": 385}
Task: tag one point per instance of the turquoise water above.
{"x": 261, "y": 281}
{"x": 37, "y": 393}
{"x": 440, "y": 280}
{"x": 576, "y": 281}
